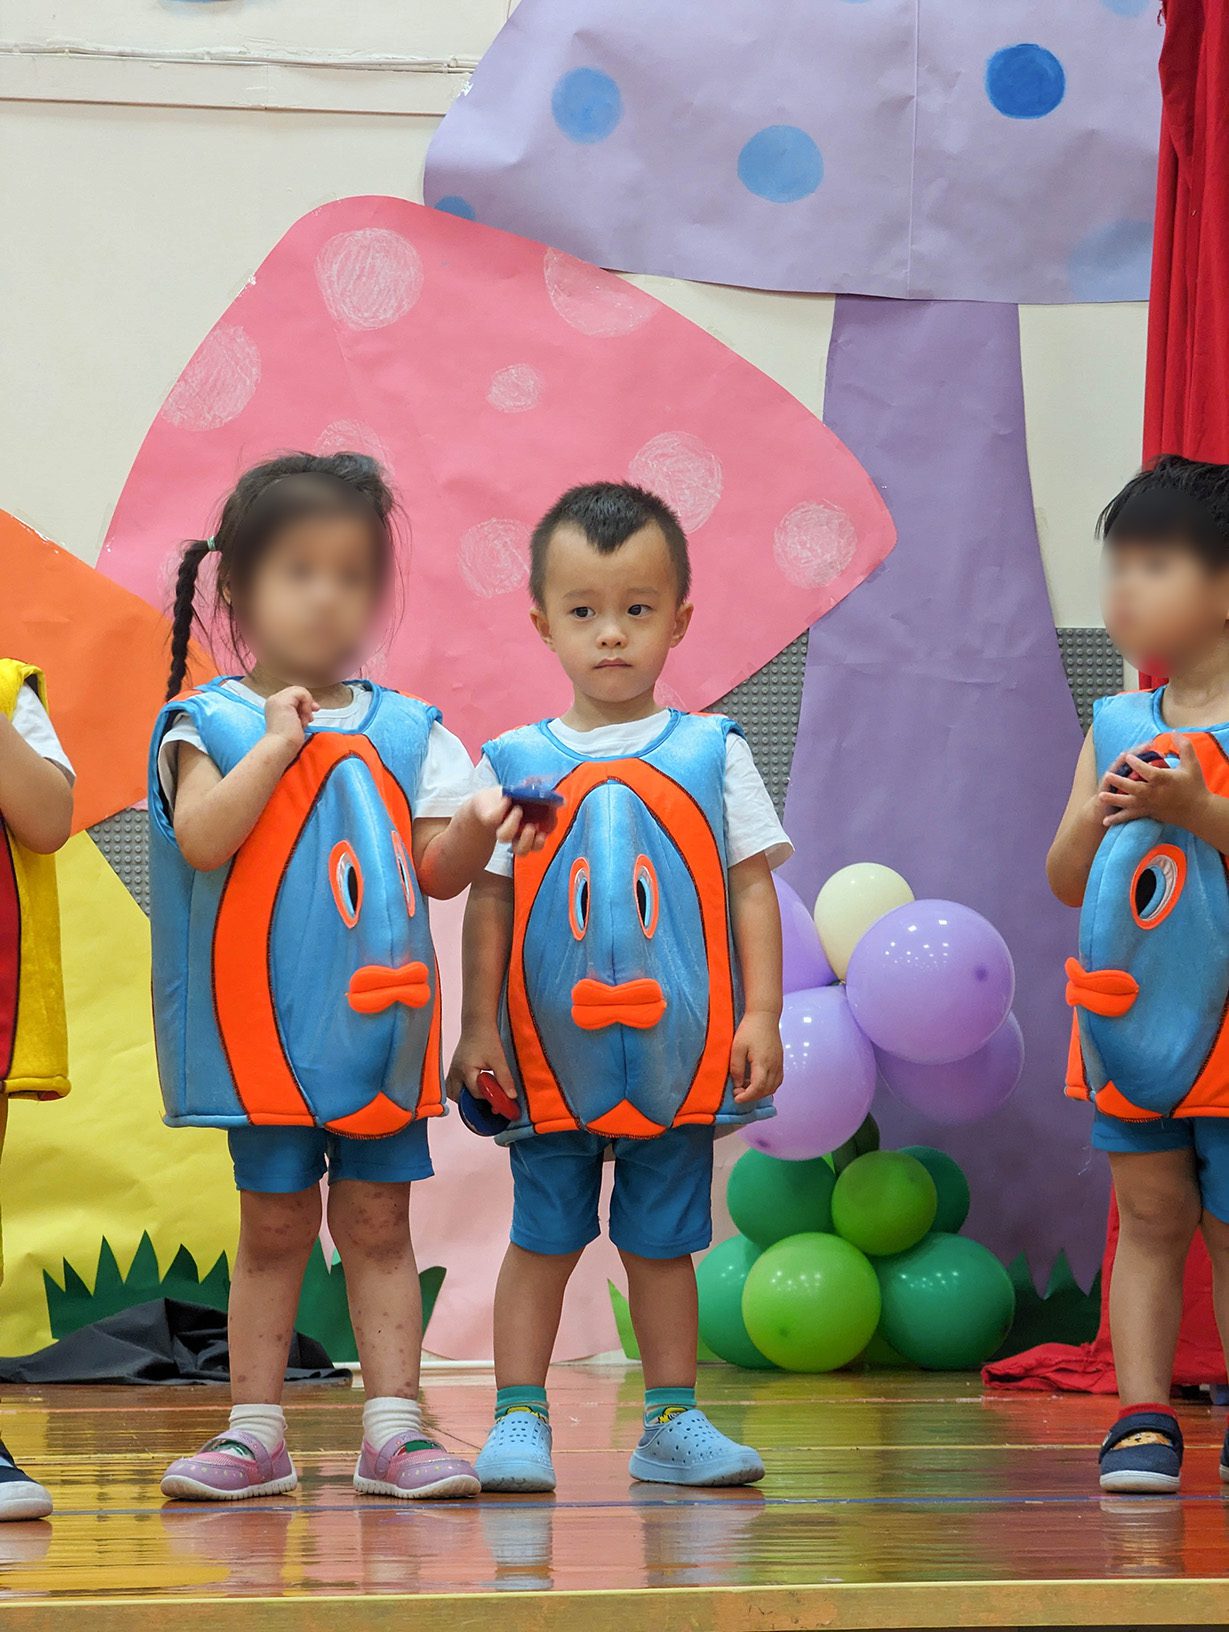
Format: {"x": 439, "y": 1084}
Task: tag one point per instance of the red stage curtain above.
{"x": 1186, "y": 410}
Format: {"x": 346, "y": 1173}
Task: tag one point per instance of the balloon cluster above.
{"x": 854, "y": 1255}
{"x": 879, "y": 984}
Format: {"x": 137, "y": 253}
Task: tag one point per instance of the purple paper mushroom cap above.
{"x": 957, "y": 151}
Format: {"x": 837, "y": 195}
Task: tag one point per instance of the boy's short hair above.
{"x": 1173, "y": 501}
{"x": 608, "y": 513}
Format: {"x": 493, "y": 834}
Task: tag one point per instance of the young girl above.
{"x": 296, "y": 820}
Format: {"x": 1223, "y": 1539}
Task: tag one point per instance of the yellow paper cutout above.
{"x": 101, "y": 1163}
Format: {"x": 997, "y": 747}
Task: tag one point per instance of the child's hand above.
{"x": 496, "y": 812}
{"x": 756, "y": 1062}
{"x": 1175, "y": 794}
{"x": 288, "y": 714}
{"x": 479, "y": 1049}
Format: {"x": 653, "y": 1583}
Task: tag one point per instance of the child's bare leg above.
{"x": 1158, "y": 1211}
{"x": 370, "y": 1222}
{"x": 528, "y": 1304}
{"x": 661, "y": 1293}
{"x": 1216, "y": 1235}
{"x": 276, "y": 1234}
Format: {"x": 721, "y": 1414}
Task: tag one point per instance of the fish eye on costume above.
{"x": 404, "y": 872}
{"x": 346, "y": 878}
{"x": 648, "y": 894}
{"x": 578, "y": 898}
{"x": 1157, "y": 884}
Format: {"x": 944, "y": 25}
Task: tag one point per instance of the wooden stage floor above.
{"x": 892, "y": 1500}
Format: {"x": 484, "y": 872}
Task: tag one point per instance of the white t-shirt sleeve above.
{"x": 501, "y": 857}
{"x": 447, "y": 776}
{"x": 33, "y": 725}
{"x": 181, "y": 730}
{"x": 752, "y": 826}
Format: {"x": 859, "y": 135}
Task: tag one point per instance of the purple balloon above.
{"x": 803, "y": 962}
{"x": 829, "y": 1079}
{"x": 931, "y": 982}
{"x": 963, "y": 1090}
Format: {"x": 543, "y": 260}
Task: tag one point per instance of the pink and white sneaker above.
{"x": 231, "y": 1468}
{"x": 412, "y": 1469}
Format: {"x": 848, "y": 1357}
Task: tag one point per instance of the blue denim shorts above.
{"x": 1206, "y": 1137}
{"x": 661, "y": 1206}
{"x": 280, "y": 1161}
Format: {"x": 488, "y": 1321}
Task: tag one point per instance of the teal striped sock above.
{"x": 522, "y": 1398}
{"x": 660, "y": 1403}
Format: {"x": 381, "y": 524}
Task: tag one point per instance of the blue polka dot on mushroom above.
{"x": 1025, "y": 81}
{"x": 1112, "y": 262}
{"x": 587, "y": 105}
{"x": 781, "y": 163}
{"x": 454, "y": 204}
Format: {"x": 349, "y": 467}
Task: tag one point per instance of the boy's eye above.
{"x": 582, "y": 612}
{"x": 639, "y": 610}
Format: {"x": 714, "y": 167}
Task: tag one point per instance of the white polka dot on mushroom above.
{"x": 352, "y": 436}
{"x": 494, "y": 557}
{"x": 370, "y": 277}
{"x": 814, "y": 543}
{"x": 594, "y": 302}
{"x": 515, "y": 389}
{"x": 218, "y": 382}
{"x": 680, "y": 469}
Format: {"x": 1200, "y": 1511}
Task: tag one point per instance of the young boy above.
{"x": 36, "y": 812}
{"x": 623, "y": 983}
{"x": 1142, "y": 846}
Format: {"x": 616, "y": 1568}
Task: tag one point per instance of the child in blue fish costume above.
{"x": 1142, "y": 851}
{"x": 623, "y": 982}
{"x": 297, "y": 820}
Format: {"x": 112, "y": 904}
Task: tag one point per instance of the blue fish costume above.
{"x": 296, "y": 986}
{"x": 622, "y": 995}
{"x": 1151, "y": 985}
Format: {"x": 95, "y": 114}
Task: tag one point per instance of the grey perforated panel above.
{"x": 766, "y": 706}
{"x": 1094, "y": 668}
{"x": 124, "y": 840}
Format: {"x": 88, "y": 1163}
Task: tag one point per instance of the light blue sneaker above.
{"x": 685, "y": 1449}
{"x": 516, "y": 1455}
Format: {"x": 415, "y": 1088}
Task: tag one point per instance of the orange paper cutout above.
{"x": 105, "y": 654}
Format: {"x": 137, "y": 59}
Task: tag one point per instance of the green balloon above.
{"x": 947, "y": 1303}
{"x": 866, "y": 1139}
{"x": 770, "y": 1199}
{"x": 811, "y": 1303}
{"x": 720, "y": 1277}
{"x": 879, "y": 1355}
{"x": 950, "y": 1182}
{"x": 884, "y": 1202}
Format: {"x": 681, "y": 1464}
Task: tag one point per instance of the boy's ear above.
{"x": 542, "y": 624}
{"x": 682, "y": 621}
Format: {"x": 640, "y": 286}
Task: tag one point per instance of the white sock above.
{"x": 386, "y": 1415}
{"x": 267, "y": 1423}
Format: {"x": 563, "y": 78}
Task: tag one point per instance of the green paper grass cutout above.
{"x": 1063, "y": 1313}
{"x": 322, "y": 1313}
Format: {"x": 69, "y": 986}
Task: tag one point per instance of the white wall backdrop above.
{"x": 144, "y": 173}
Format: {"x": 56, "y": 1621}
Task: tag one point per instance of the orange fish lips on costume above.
{"x": 1107, "y": 992}
{"x": 639, "y": 1004}
{"x": 374, "y": 988}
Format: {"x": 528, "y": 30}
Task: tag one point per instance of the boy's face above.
{"x": 611, "y": 619}
{"x": 1162, "y": 602}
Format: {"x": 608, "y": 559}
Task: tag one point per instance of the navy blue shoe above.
{"x": 1224, "y": 1459}
{"x": 1143, "y": 1453}
{"x": 20, "y": 1496}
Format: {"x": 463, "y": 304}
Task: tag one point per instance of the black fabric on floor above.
{"x": 160, "y": 1342}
